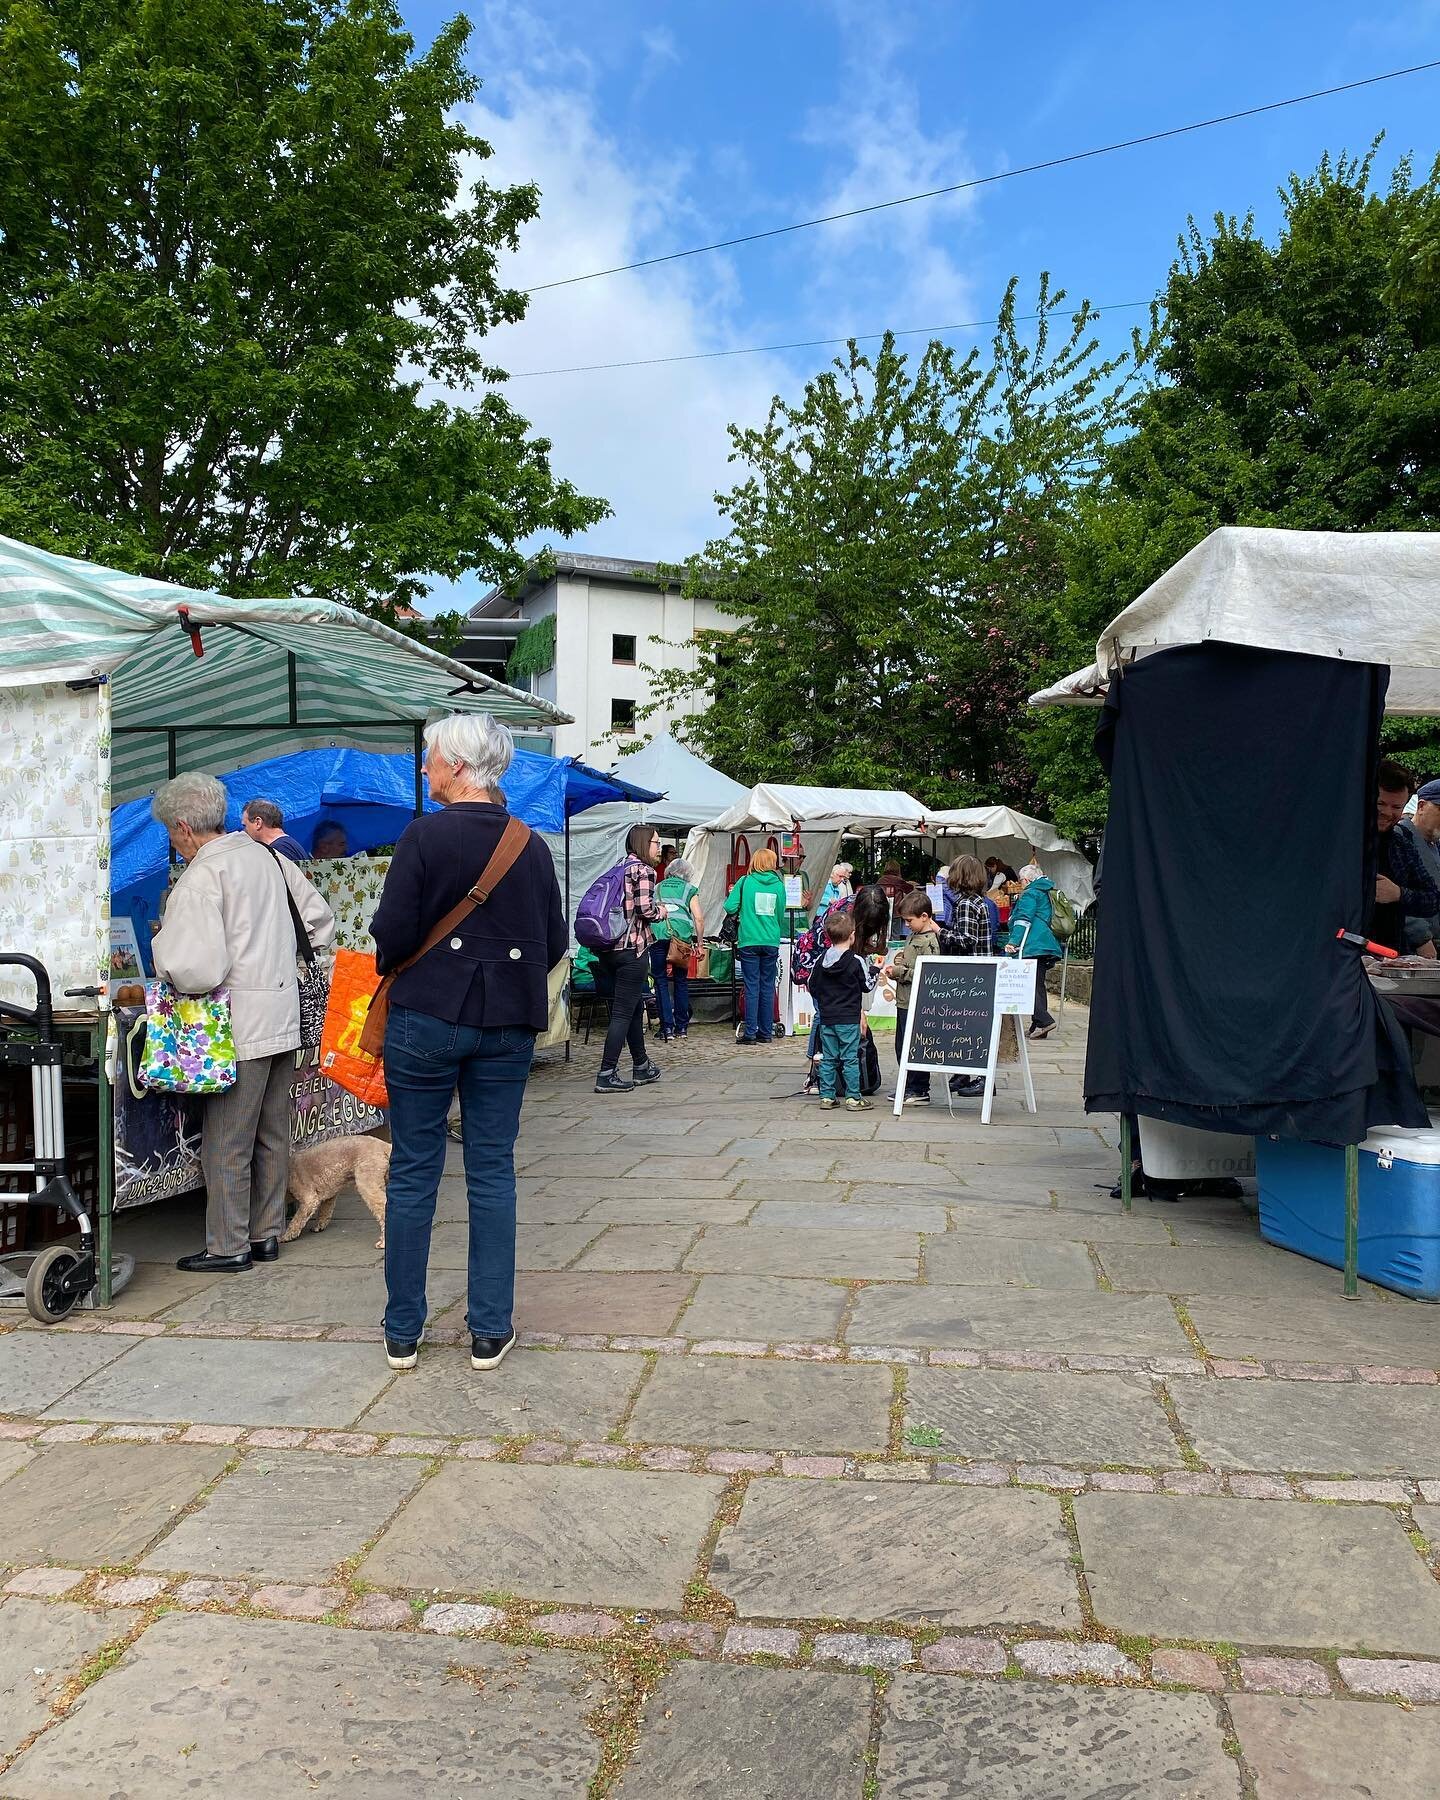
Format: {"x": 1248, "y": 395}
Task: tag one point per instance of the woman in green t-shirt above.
{"x": 684, "y": 923}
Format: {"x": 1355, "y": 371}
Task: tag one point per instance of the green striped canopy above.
{"x": 275, "y": 675}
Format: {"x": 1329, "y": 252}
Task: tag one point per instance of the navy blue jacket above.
{"x": 492, "y": 969}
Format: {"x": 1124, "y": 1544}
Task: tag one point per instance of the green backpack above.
{"x": 1062, "y": 916}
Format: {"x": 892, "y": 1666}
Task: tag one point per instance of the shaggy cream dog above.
{"x": 318, "y": 1174}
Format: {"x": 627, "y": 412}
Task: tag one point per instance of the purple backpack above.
{"x": 600, "y": 921}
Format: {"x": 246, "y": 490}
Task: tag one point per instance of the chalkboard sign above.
{"x": 953, "y": 1023}
{"x": 952, "y": 1014}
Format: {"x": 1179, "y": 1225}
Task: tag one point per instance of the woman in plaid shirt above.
{"x": 629, "y": 966}
{"x": 968, "y": 933}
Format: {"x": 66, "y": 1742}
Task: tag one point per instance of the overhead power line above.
{"x": 858, "y": 337}
{"x": 978, "y": 181}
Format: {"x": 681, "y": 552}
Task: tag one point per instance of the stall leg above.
{"x": 1127, "y": 1196}
{"x": 105, "y": 1166}
{"x": 1352, "y": 1221}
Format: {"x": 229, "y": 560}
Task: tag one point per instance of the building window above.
{"x": 622, "y": 714}
{"x": 622, "y": 648}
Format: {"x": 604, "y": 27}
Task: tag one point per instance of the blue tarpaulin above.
{"x": 371, "y": 796}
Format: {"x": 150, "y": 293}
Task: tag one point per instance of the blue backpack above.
{"x": 600, "y": 921}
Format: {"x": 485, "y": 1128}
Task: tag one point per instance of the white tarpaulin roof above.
{"x": 773, "y": 805}
{"x": 694, "y": 792}
{"x": 1367, "y": 596}
{"x": 1001, "y": 831}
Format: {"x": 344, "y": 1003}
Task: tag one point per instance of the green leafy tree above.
{"x": 891, "y": 543}
{"x": 242, "y": 248}
{"x": 1294, "y": 384}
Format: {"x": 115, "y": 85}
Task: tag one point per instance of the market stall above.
{"x": 109, "y": 683}
{"x": 1001, "y": 831}
{"x": 1243, "y": 694}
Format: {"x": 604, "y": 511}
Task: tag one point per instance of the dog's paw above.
{"x": 289, "y": 1235}
{"x": 380, "y": 1243}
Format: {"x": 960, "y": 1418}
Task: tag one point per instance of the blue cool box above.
{"x": 1302, "y": 1206}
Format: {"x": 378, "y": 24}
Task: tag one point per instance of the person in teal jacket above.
{"x": 759, "y": 899}
{"x": 1029, "y": 935}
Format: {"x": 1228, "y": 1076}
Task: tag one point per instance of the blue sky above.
{"x": 653, "y": 127}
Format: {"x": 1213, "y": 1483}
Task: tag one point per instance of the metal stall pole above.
{"x": 1352, "y": 1221}
{"x": 569, "y": 1036}
{"x": 1127, "y": 1197}
{"x": 419, "y": 736}
{"x": 105, "y": 1160}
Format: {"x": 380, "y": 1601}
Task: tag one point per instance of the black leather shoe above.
{"x": 267, "y": 1250}
{"x": 646, "y": 1072}
{"x": 489, "y": 1353}
{"x": 203, "y": 1263}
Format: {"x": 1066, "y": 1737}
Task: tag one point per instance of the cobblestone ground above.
{"x": 844, "y": 1456}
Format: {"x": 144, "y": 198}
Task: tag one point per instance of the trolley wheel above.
{"x": 48, "y": 1293}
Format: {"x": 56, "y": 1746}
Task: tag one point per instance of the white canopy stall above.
{"x": 822, "y": 816}
{"x": 1000, "y": 831}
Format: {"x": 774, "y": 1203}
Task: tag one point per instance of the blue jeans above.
{"x": 839, "y": 1055}
{"x": 426, "y": 1060}
{"x": 674, "y": 1012}
{"x": 758, "y": 964}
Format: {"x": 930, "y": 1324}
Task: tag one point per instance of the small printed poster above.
{"x": 125, "y": 963}
{"x": 1015, "y": 985}
{"x": 794, "y": 893}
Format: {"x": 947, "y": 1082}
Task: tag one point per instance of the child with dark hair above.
{"x": 917, "y": 911}
{"x": 838, "y": 986}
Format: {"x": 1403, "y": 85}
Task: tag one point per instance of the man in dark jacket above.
{"x": 1403, "y": 885}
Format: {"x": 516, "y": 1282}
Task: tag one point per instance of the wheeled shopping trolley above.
{"x": 61, "y": 1275}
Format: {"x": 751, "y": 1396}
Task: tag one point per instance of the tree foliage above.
{"x": 241, "y": 248}
{"x": 892, "y": 542}
{"x": 1294, "y": 384}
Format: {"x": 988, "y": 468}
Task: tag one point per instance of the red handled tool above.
{"x": 1364, "y": 943}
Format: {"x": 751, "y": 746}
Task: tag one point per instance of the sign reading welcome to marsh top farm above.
{"x": 953, "y": 1024}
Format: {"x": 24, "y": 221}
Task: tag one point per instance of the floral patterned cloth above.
{"x": 189, "y": 1048}
{"x": 351, "y": 887}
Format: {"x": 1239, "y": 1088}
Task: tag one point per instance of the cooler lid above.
{"x": 1406, "y": 1146}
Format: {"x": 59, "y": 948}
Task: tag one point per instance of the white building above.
{"x": 608, "y": 613}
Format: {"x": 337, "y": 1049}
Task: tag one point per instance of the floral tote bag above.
{"x": 189, "y": 1045}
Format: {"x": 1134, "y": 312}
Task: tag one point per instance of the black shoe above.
{"x": 967, "y": 1087}
{"x": 1217, "y": 1187}
{"x": 489, "y": 1353}
{"x": 1137, "y": 1187}
{"x": 645, "y": 1073}
{"x": 203, "y": 1263}
{"x": 401, "y": 1355}
{"x": 609, "y": 1081}
{"x": 267, "y": 1250}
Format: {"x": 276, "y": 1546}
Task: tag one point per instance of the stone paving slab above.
{"x": 850, "y": 1255}
{"x": 232, "y": 1381}
{"x": 965, "y": 1259}
{"x": 598, "y": 1537}
{"x": 680, "y": 1206}
{"x": 1337, "y": 1749}
{"x": 1324, "y": 1428}
{"x": 1257, "y": 1572}
{"x": 767, "y": 1308}
{"x": 271, "y": 1710}
{"x": 38, "y": 1367}
{"x": 845, "y": 1215}
{"x": 715, "y": 1731}
{"x": 574, "y": 1394}
{"x": 41, "y": 1647}
{"x": 1086, "y": 1421}
{"x": 287, "y": 1516}
{"x": 850, "y": 1550}
{"x": 552, "y": 1246}
{"x": 1428, "y": 1520}
{"x": 626, "y": 1248}
{"x": 1398, "y": 1333}
{"x": 584, "y": 1302}
{"x": 1003, "y": 1218}
{"x": 742, "y": 1404}
{"x": 92, "y": 1504}
{"x": 877, "y": 1165}
{"x": 866, "y": 1193}
{"x": 347, "y": 1242}
{"x": 961, "y": 1318}
{"x": 13, "y": 1456}
{"x": 551, "y": 1206}
{"x": 153, "y": 1287}
{"x": 1257, "y": 1270}
{"x": 1021, "y": 1740}
{"x": 287, "y": 1294}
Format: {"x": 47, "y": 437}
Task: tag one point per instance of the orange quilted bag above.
{"x": 352, "y": 987}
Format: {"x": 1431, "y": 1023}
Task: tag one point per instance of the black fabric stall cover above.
{"x": 1241, "y": 837}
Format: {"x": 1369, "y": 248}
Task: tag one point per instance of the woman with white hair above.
{"x": 465, "y": 1006}
{"x": 683, "y": 924}
{"x": 228, "y": 924}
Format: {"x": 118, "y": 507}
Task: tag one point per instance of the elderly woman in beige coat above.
{"x": 228, "y": 924}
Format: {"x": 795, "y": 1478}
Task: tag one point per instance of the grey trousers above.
{"x": 245, "y": 1155}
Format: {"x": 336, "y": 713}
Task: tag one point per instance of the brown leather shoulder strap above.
{"x": 503, "y": 858}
